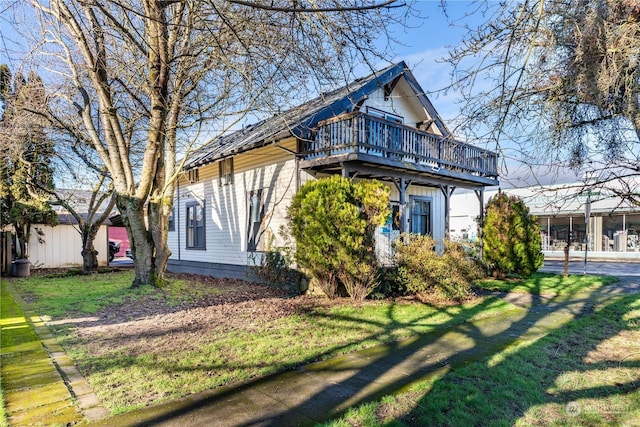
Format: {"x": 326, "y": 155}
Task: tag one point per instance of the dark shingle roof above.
{"x": 300, "y": 120}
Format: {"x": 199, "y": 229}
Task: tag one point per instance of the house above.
{"x": 613, "y": 223}
{"x": 232, "y": 199}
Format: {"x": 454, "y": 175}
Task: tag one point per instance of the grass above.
{"x": 26, "y": 366}
{"x": 3, "y": 414}
{"x": 129, "y": 380}
{"x": 524, "y": 383}
{"x": 59, "y": 295}
{"x": 156, "y": 367}
{"x": 62, "y": 295}
{"x": 583, "y": 373}
{"x": 547, "y": 284}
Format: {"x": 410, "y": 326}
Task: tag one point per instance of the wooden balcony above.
{"x": 361, "y": 137}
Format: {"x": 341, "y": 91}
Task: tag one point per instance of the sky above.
{"x": 422, "y": 45}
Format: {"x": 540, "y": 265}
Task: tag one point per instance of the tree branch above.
{"x": 387, "y": 4}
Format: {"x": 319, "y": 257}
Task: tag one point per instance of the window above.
{"x": 420, "y": 215}
{"x": 256, "y": 213}
{"x": 384, "y": 115}
{"x": 387, "y": 135}
{"x": 195, "y": 226}
{"x": 226, "y": 171}
{"x": 194, "y": 176}
{"x": 395, "y": 215}
{"x": 172, "y": 222}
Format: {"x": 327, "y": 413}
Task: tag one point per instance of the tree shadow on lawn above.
{"x": 434, "y": 354}
{"x": 363, "y": 376}
{"x": 384, "y": 332}
{"x": 518, "y": 385}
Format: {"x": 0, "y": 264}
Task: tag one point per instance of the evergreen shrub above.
{"x": 333, "y": 222}
{"x": 511, "y": 237}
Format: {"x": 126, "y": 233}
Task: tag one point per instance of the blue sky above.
{"x": 423, "y": 45}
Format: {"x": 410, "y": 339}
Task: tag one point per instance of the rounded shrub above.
{"x": 333, "y": 222}
{"x": 511, "y": 237}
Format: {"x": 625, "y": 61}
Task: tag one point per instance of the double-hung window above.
{"x": 172, "y": 221}
{"x": 194, "y": 176}
{"x": 420, "y": 215}
{"x": 195, "y": 226}
{"x": 255, "y": 208}
{"x": 226, "y": 171}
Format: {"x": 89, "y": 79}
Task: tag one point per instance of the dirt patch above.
{"x": 209, "y": 307}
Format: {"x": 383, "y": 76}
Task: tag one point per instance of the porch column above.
{"x": 447, "y": 191}
{"x": 480, "y": 196}
{"x": 345, "y": 170}
{"x": 402, "y": 185}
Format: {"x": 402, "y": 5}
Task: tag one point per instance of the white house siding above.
{"x": 271, "y": 169}
{"x": 401, "y": 102}
{"x": 61, "y": 246}
{"x": 386, "y": 235}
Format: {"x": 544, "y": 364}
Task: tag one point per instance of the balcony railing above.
{"x": 361, "y": 133}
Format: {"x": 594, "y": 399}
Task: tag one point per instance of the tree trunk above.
{"x": 21, "y": 240}
{"x": 141, "y": 241}
{"x": 89, "y": 253}
{"x": 158, "y": 218}
{"x": 89, "y": 260}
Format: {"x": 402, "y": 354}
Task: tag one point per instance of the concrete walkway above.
{"x": 321, "y": 391}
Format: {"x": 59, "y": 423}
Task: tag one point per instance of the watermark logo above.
{"x": 573, "y": 409}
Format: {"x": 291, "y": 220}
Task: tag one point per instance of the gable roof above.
{"x": 299, "y": 120}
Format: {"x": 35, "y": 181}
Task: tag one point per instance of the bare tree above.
{"x": 144, "y": 80}
{"x": 89, "y": 215}
{"x": 560, "y": 79}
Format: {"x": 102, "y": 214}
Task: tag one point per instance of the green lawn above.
{"x": 26, "y": 371}
{"x": 547, "y": 284}
{"x": 129, "y": 364}
{"x": 582, "y": 373}
{"x": 128, "y": 368}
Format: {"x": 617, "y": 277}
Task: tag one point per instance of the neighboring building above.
{"x": 60, "y": 246}
{"x": 614, "y": 224}
{"x": 232, "y": 199}
{"x": 118, "y": 233}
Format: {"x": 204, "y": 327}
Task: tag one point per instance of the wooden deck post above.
{"x": 402, "y": 185}
{"x": 447, "y": 191}
{"x": 480, "y": 195}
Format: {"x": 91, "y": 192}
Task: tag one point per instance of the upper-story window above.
{"x": 384, "y": 115}
{"x": 226, "y": 171}
{"x": 194, "y": 176}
